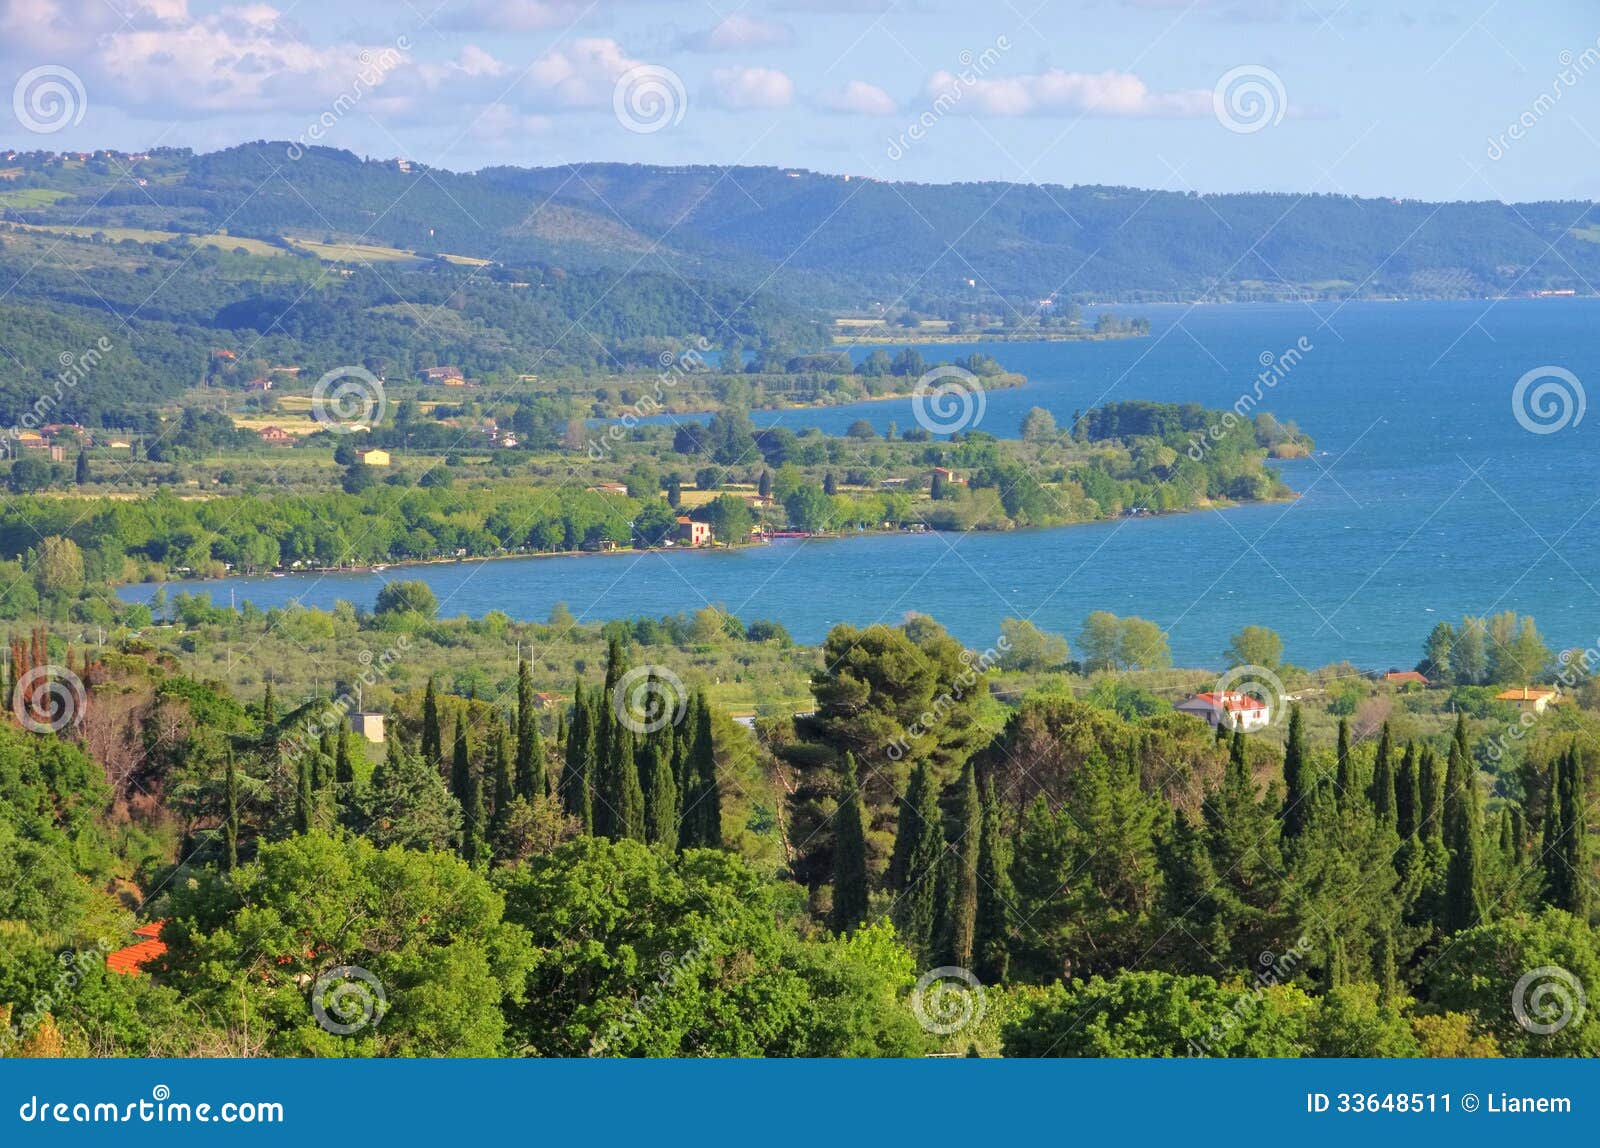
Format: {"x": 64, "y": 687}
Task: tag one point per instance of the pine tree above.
{"x": 1383, "y": 795}
{"x": 230, "y": 815}
{"x": 661, "y": 809}
{"x": 919, "y": 850}
{"x": 1464, "y": 904}
{"x": 849, "y": 854}
{"x": 992, "y": 930}
{"x": 432, "y": 731}
{"x": 531, "y": 781}
{"x": 959, "y": 906}
{"x": 1299, "y": 784}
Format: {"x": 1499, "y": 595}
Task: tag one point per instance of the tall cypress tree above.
{"x": 849, "y": 854}
{"x": 1407, "y": 794}
{"x": 230, "y": 814}
{"x": 1344, "y": 775}
{"x": 474, "y": 844}
{"x": 304, "y": 795}
{"x": 919, "y": 849}
{"x": 461, "y": 780}
{"x": 531, "y": 781}
{"x": 1298, "y": 783}
{"x": 625, "y": 796}
{"x": 504, "y": 780}
{"x": 661, "y": 807}
{"x": 992, "y": 931}
{"x": 1464, "y": 904}
{"x": 702, "y": 807}
{"x": 1564, "y": 856}
{"x": 432, "y": 731}
{"x": 1383, "y": 795}
{"x": 1430, "y": 813}
{"x": 577, "y": 773}
{"x": 960, "y": 883}
{"x": 344, "y": 769}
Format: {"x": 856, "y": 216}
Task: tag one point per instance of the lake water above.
{"x": 1428, "y": 499}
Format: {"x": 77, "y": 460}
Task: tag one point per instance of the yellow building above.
{"x": 374, "y": 457}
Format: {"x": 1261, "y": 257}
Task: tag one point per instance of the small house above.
{"x": 277, "y": 436}
{"x": 369, "y": 725}
{"x": 373, "y": 457}
{"x": 1528, "y": 699}
{"x": 1236, "y": 711}
{"x": 1405, "y": 678}
{"x": 449, "y": 376}
{"x": 692, "y": 533}
{"x": 260, "y": 384}
{"x": 130, "y": 961}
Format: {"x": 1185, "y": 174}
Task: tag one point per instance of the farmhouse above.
{"x": 1235, "y": 710}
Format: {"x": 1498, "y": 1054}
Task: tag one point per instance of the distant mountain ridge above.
{"x": 847, "y": 241}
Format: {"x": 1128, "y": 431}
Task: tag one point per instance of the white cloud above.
{"x": 580, "y": 76}
{"x": 737, "y": 33}
{"x": 514, "y": 15}
{"x": 751, "y": 89}
{"x": 861, "y": 99}
{"x": 1056, "y": 92}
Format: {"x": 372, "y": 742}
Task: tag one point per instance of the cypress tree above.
{"x": 1344, "y": 775}
{"x": 474, "y": 847}
{"x": 919, "y": 849}
{"x": 81, "y": 473}
{"x": 960, "y": 903}
{"x": 661, "y": 809}
{"x": 1464, "y": 900}
{"x": 702, "y": 810}
{"x": 1299, "y": 786}
{"x": 1383, "y": 795}
{"x": 344, "y": 770}
{"x": 504, "y": 784}
{"x": 1430, "y": 818}
{"x": 230, "y": 814}
{"x": 269, "y": 707}
{"x": 461, "y": 766}
{"x": 605, "y": 707}
{"x": 626, "y": 795}
{"x": 303, "y": 794}
{"x": 531, "y": 781}
{"x": 432, "y": 731}
{"x": 1564, "y": 857}
{"x": 1407, "y": 794}
{"x": 849, "y": 855}
{"x": 1388, "y": 978}
{"x": 576, "y": 775}
{"x": 992, "y": 931}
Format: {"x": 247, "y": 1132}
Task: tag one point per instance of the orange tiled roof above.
{"x": 1523, "y": 694}
{"x": 130, "y": 962}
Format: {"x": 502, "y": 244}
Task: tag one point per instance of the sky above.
{"x": 1437, "y": 99}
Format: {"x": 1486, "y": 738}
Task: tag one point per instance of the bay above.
{"x": 1427, "y": 498}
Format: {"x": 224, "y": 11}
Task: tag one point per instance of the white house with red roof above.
{"x": 1235, "y": 710}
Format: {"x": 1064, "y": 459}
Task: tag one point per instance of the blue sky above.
{"x": 1409, "y": 99}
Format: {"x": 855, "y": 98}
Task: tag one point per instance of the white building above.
{"x": 1235, "y": 710}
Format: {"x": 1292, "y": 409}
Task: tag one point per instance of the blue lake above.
{"x": 1427, "y": 499}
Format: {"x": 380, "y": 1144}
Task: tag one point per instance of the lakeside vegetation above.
{"x": 1048, "y": 822}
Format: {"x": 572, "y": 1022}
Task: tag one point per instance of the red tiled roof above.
{"x": 1230, "y": 701}
{"x": 1405, "y": 676}
{"x": 153, "y": 929}
{"x": 130, "y": 962}
{"x": 1524, "y": 694}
